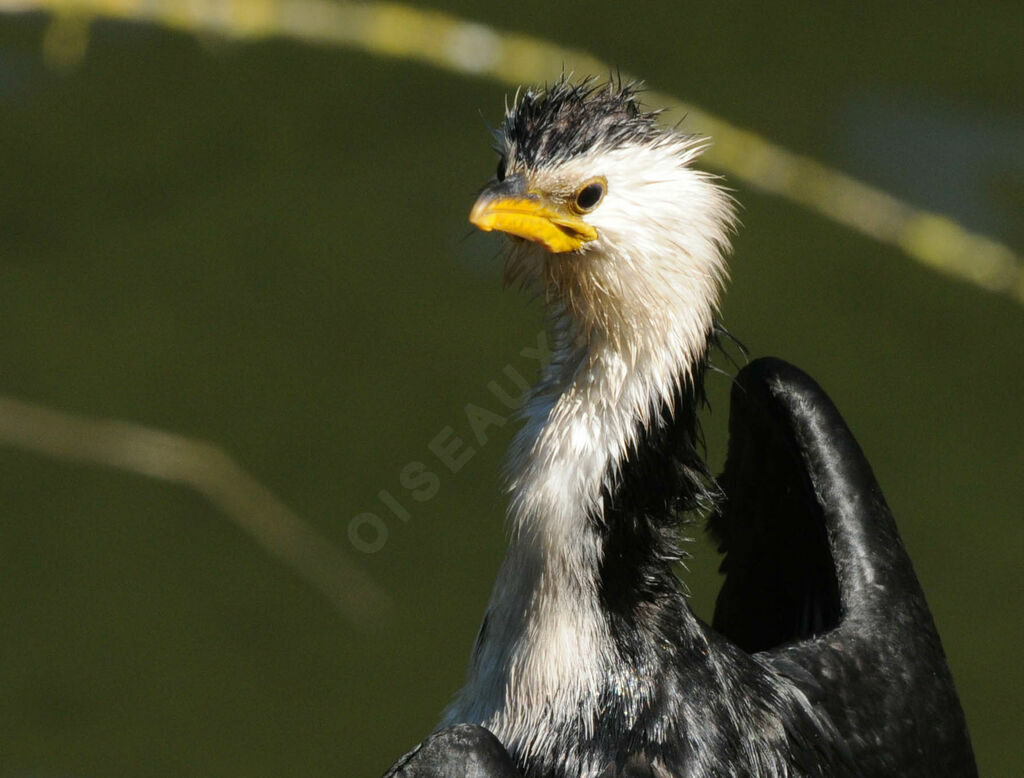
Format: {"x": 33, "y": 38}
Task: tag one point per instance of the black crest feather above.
{"x": 565, "y": 120}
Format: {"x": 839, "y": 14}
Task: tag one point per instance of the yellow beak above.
{"x": 529, "y": 216}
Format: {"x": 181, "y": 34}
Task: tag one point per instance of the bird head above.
{"x": 605, "y": 211}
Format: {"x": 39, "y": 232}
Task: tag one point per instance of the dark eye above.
{"x": 589, "y": 196}
{"x": 501, "y": 169}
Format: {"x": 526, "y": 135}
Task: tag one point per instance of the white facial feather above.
{"x": 632, "y": 313}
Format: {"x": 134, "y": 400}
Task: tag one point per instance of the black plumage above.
{"x": 569, "y": 119}
{"x": 818, "y": 580}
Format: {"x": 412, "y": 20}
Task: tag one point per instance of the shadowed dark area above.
{"x": 780, "y": 583}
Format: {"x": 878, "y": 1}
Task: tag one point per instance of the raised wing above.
{"x": 818, "y": 584}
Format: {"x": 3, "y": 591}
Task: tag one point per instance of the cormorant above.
{"x": 823, "y": 659}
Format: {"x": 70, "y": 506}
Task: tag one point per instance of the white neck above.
{"x": 546, "y": 646}
{"x": 630, "y": 322}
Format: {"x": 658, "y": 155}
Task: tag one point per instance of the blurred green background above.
{"x": 265, "y": 246}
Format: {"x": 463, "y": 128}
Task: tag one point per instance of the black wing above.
{"x": 818, "y": 584}
{"x": 462, "y": 751}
